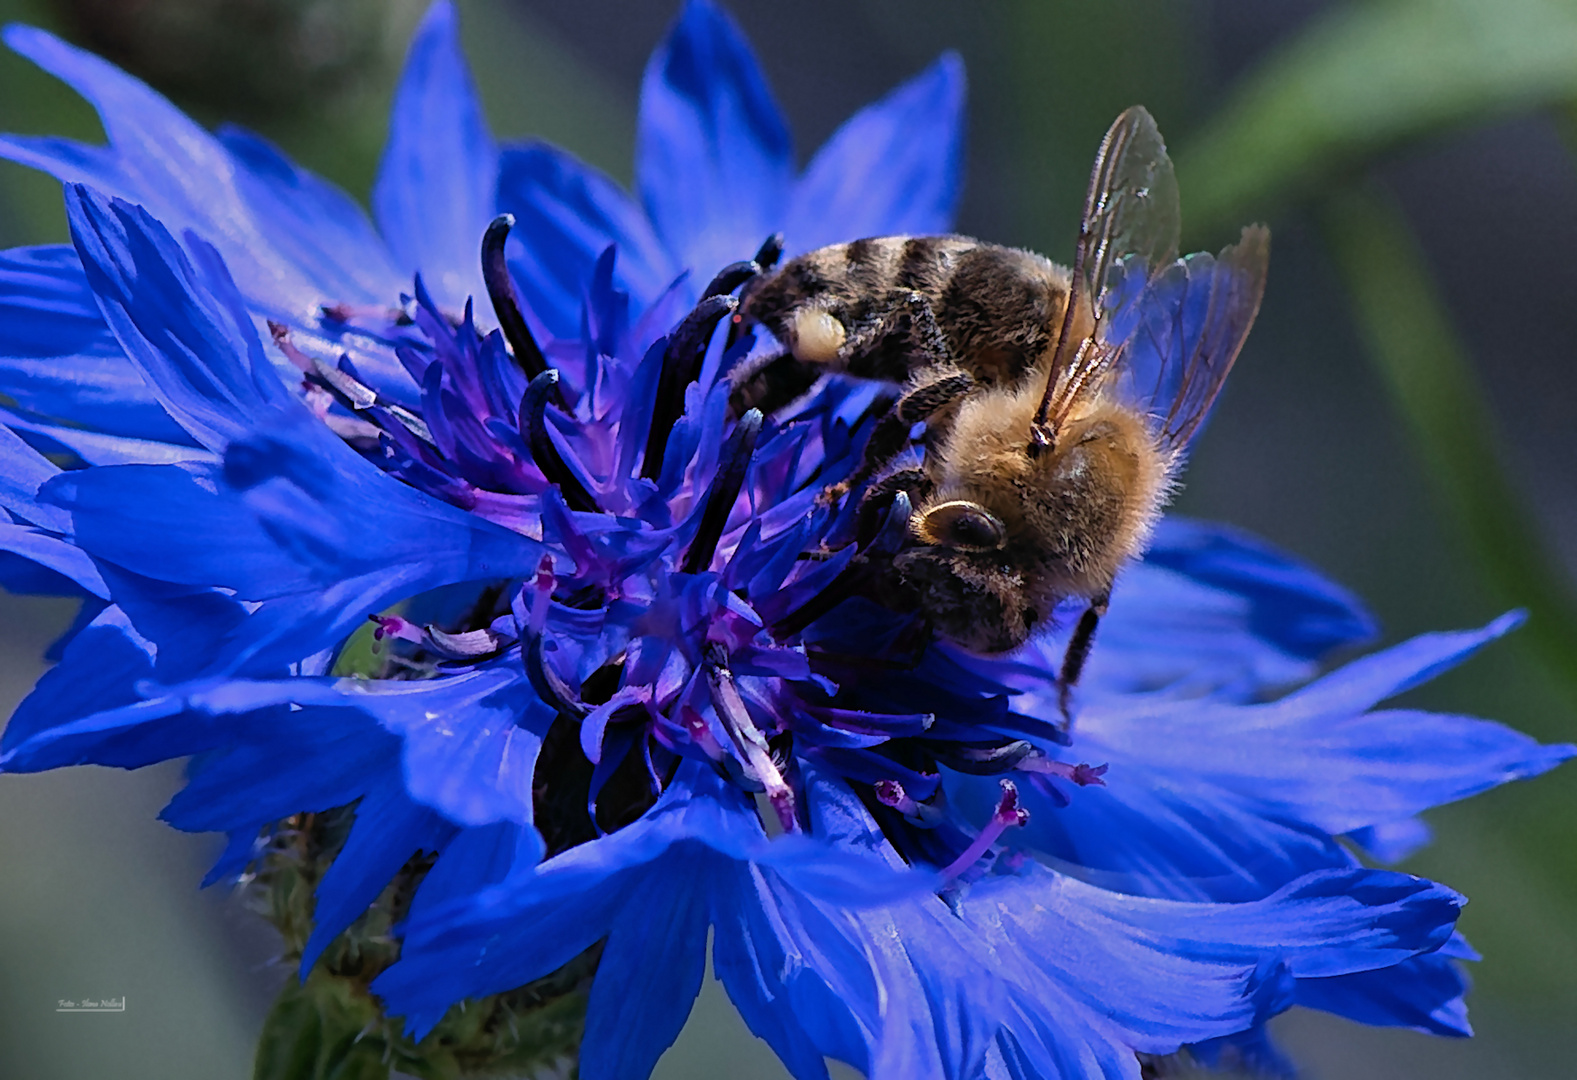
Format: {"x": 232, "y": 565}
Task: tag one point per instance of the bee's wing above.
{"x": 1189, "y": 327}
{"x": 1127, "y": 235}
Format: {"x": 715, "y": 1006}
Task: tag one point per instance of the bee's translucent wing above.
{"x": 1128, "y": 234}
{"x": 1190, "y": 326}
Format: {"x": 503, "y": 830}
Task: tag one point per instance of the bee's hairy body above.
{"x": 1058, "y": 403}
{"x": 999, "y": 308}
{"x": 1067, "y": 520}
{"x": 1071, "y": 518}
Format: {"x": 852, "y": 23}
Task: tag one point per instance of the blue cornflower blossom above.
{"x": 612, "y": 702}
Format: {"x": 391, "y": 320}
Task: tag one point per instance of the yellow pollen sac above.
{"x": 817, "y": 336}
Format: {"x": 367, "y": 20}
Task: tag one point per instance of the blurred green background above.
{"x": 1402, "y": 416}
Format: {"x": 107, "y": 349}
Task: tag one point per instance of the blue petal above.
{"x": 1317, "y": 756}
{"x": 23, "y": 471}
{"x": 299, "y": 510}
{"x": 1294, "y": 606}
{"x": 153, "y": 631}
{"x": 70, "y": 571}
{"x": 1151, "y": 985}
{"x": 1210, "y": 610}
{"x": 325, "y": 555}
{"x": 1424, "y": 993}
{"x": 792, "y": 972}
{"x": 180, "y": 524}
{"x": 184, "y": 328}
{"x": 160, "y": 158}
{"x": 314, "y": 226}
{"x": 566, "y": 215}
{"x": 270, "y": 763}
{"x": 1284, "y": 607}
{"x": 470, "y": 741}
{"x": 508, "y": 935}
{"x": 534, "y": 923}
{"x": 1221, "y": 800}
{"x": 914, "y": 989}
{"x": 49, "y": 309}
{"x": 1330, "y": 923}
{"x": 1145, "y": 833}
{"x": 97, "y": 671}
{"x": 1393, "y": 841}
{"x": 59, "y": 359}
{"x": 892, "y": 169}
{"x": 170, "y": 445}
{"x": 476, "y": 858}
{"x": 713, "y": 161}
{"x": 650, "y": 972}
{"x": 436, "y": 184}
{"x": 389, "y": 829}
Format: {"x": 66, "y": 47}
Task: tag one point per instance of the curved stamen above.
{"x": 730, "y": 278}
{"x": 1083, "y": 775}
{"x": 534, "y": 433}
{"x": 982, "y": 760}
{"x": 766, "y": 257}
{"x": 733, "y": 463}
{"x": 891, "y": 793}
{"x": 681, "y": 367}
{"x": 1008, "y": 814}
{"x": 749, "y": 741}
{"x": 506, "y": 301}
{"x": 770, "y": 251}
{"x": 552, "y": 689}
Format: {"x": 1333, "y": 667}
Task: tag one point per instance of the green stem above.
{"x": 1424, "y": 365}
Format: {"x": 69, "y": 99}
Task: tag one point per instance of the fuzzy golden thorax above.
{"x": 1064, "y": 522}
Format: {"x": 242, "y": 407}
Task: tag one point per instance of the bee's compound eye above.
{"x": 965, "y": 525}
{"x": 817, "y": 336}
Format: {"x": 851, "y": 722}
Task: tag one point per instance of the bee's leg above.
{"x": 769, "y": 384}
{"x": 1078, "y": 652}
{"x": 904, "y": 339}
{"x": 891, "y": 436}
{"x": 880, "y": 495}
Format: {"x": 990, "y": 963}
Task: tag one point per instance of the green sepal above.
{"x": 322, "y": 1029}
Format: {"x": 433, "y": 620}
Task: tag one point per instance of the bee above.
{"x": 1059, "y": 402}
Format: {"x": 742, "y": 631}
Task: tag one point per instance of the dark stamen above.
{"x": 724, "y": 490}
{"x": 506, "y": 302}
{"x": 766, "y": 258}
{"x": 770, "y": 252}
{"x": 681, "y": 366}
{"x": 730, "y": 278}
{"x": 534, "y": 432}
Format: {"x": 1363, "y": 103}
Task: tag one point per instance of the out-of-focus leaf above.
{"x": 1364, "y": 77}
{"x": 1433, "y": 388}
